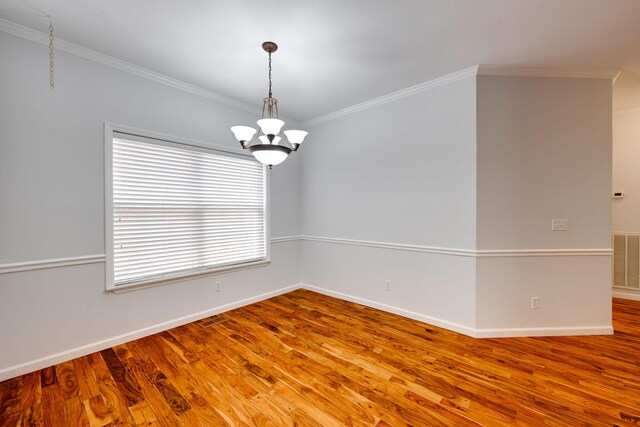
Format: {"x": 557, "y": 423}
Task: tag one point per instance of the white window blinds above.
{"x": 179, "y": 209}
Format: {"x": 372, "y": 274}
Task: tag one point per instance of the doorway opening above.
{"x": 625, "y": 215}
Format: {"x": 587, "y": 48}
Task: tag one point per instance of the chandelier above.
{"x": 265, "y": 145}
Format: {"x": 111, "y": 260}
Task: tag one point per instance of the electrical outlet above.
{"x": 388, "y": 285}
{"x": 535, "y": 302}
{"x": 218, "y": 286}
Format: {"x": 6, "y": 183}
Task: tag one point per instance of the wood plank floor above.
{"x": 305, "y": 359}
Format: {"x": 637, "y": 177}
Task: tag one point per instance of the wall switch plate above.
{"x": 559, "y": 224}
{"x": 388, "y": 285}
{"x": 535, "y": 302}
{"x": 218, "y": 286}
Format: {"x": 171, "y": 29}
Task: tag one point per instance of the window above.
{"x": 176, "y": 210}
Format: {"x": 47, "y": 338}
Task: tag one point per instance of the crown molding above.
{"x": 574, "y": 73}
{"x": 394, "y": 96}
{"x": 100, "y": 58}
{"x": 615, "y": 78}
{"x": 478, "y": 70}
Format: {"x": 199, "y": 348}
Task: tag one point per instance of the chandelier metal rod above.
{"x": 270, "y": 93}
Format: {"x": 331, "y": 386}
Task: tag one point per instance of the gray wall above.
{"x": 52, "y": 202}
{"x": 400, "y": 173}
{"x": 414, "y": 191}
{"x": 450, "y": 194}
{"x": 544, "y": 152}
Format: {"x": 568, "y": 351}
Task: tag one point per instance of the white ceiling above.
{"x": 337, "y": 53}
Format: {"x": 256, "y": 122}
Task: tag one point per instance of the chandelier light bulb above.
{"x": 270, "y": 126}
{"x": 270, "y": 158}
{"x": 295, "y": 136}
{"x": 243, "y": 133}
{"x": 269, "y": 154}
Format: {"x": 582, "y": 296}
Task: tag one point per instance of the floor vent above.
{"x": 626, "y": 261}
{"x": 210, "y": 321}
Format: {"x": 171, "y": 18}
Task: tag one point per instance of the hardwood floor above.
{"x": 305, "y": 359}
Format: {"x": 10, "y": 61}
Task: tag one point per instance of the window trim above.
{"x": 109, "y": 129}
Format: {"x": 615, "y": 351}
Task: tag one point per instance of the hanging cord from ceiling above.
{"x": 43, "y": 14}
{"x": 51, "y": 50}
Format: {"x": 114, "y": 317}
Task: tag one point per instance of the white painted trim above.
{"x": 91, "y": 259}
{"x": 543, "y": 332}
{"x": 108, "y": 203}
{"x": 118, "y": 64}
{"x": 385, "y": 245}
{"x": 42, "y": 264}
{"x": 110, "y": 128}
{"x": 464, "y": 252}
{"x": 466, "y": 330}
{"x": 167, "y": 280}
{"x": 478, "y": 70}
{"x": 615, "y": 78}
{"x": 155, "y": 137}
{"x": 544, "y": 252}
{"x": 394, "y": 96}
{"x": 574, "y": 73}
{"x": 43, "y": 362}
{"x": 285, "y": 239}
{"x": 626, "y": 293}
{"x": 391, "y": 309}
{"x": 50, "y": 263}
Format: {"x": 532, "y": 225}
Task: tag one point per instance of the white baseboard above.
{"x": 543, "y": 332}
{"x": 43, "y": 362}
{"x": 391, "y": 309}
{"x": 466, "y": 330}
{"x": 625, "y": 294}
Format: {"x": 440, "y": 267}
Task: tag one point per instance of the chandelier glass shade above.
{"x": 265, "y": 144}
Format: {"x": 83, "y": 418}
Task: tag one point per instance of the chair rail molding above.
{"x": 51, "y": 263}
{"x": 17, "y": 267}
{"x": 483, "y": 253}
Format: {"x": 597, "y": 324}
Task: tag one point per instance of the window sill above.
{"x": 118, "y": 289}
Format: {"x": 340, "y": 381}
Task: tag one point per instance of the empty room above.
{"x": 319, "y": 213}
